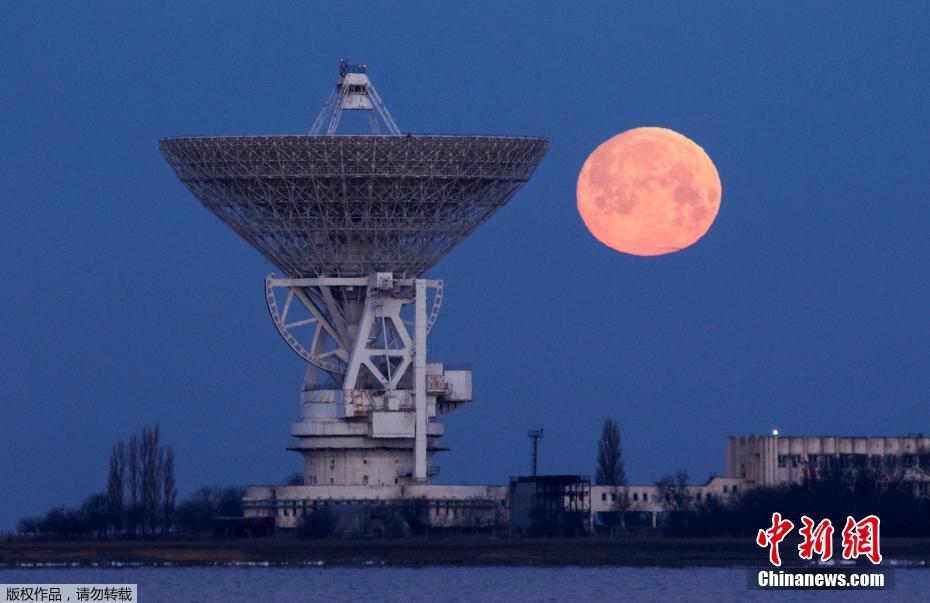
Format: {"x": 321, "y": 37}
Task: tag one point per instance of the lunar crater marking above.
{"x": 648, "y": 191}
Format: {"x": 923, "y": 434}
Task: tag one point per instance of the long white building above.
{"x": 751, "y": 461}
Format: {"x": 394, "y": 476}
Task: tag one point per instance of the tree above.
{"x": 151, "y": 456}
{"x": 229, "y": 501}
{"x": 95, "y": 514}
{"x": 116, "y": 484}
{"x": 610, "y": 471}
{"x": 610, "y": 467}
{"x": 62, "y": 523}
{"x": 140, "y": 496}
{"x": 319, "y": 523}
{"x": 134, "y": 486}
{"x": 673, "y": 490}
{"x": 195, "y": 515}
{"x": 169, "y": 491}
{"x": 29, "y": 526}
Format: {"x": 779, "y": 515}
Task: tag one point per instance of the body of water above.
{"x": 484, "y": 584}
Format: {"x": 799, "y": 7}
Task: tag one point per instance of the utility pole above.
{"x": 535, "y": 435}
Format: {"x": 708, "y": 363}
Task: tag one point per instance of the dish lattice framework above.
{"x": 348, "y": 205}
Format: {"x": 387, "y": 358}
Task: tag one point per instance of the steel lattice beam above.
{"x": 354, "y": 205}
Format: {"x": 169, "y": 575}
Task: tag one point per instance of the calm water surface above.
{"x": 577, "y": 585}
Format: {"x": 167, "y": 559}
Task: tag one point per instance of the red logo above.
{"x": 773, "y": 536}
{"x": 860, "y": 538}
{"x": 816, "y": 539}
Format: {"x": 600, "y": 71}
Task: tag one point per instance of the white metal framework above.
{"x": 354, "y": 205}
{"x": 362, "y": 350}
{"x": 354, "y": 92}
{"x": 312, "y": 321}
{"x": 354, "y": 222}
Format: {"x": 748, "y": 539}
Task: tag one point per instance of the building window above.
{"x": 726, "y": 489}
{"x": 697, "y": 496}
{"x": 603, "y": 496}
{"x": 395, "y": 481}
{"x": 331, "y": 481}
{"x": 782, "y": 461}
{"x": 364, "y": 480}
{"x": 332, "y": 464}
{"x": 364, "y": 461}
{"x": 645, "y": 496}
{"x": 734, "y": 488}
{"x": 636, "y": 496}
{"x": 613, "y": 496}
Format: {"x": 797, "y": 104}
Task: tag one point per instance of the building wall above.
{"x": 646, "y": 499}
{"x": 448, "y": 506}
{"x": 750, "y": 461}
{"x": 364, "y": 466}
{"x": 774, "y": 459}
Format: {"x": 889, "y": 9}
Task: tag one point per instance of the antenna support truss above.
{"x": 354, "y": 92}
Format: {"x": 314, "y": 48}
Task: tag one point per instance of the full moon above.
{"x": 648, "y": 191}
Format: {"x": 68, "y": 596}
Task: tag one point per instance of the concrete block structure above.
{"x": 480, "y": 508}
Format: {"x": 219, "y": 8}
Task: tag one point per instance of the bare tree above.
{"x": 673, "y": 490}
{"x": 134, "y": 474}
{"x": 116, "y": 485}
{"x": 152, "y": 459}
{"x": 610, "y": 467}
{"x": 169, "y": 491}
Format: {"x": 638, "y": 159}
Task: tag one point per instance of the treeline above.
{"x": 139, "y": 501}
{"x": 835, "y": 494}
{"x": 141, "y": 488}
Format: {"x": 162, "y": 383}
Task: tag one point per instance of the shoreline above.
{"x": 419, "y": 552}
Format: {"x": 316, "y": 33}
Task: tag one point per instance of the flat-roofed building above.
{"x": 772, "y": 460}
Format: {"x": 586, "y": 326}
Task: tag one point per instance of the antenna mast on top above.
{"x": 535, "y": 435}
{"x": 354, "y": 92}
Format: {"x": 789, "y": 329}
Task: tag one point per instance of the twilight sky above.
{"x": 805, "y": 307}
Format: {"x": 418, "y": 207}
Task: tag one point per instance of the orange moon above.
{"x": 648, "y": 191}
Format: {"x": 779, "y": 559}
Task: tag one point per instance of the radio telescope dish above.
{"x": 354, "y": 221}
{"x": 354, "y": 205}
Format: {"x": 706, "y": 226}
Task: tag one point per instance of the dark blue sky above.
{"x": 124, "y": 302}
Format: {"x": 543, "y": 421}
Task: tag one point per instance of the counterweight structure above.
{"x": 353, "y": 222}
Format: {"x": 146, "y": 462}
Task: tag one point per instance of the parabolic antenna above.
{"x": 339, "y": 205}
{"x": 353, "y": 222}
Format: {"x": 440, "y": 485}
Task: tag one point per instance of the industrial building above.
{"x": 554, "y": 505}
{"x": 775, "y": 459}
